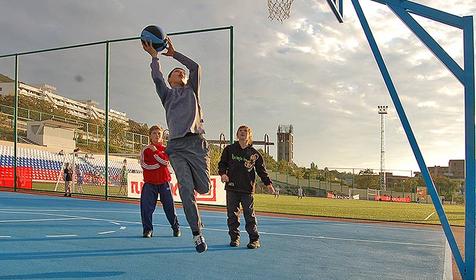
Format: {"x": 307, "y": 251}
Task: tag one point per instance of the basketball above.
{"x": 156, "y": 35}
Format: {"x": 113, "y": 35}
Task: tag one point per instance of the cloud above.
{"x": 309, "y": 71}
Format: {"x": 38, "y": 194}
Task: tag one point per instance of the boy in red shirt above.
{"x": 154, "y": 162}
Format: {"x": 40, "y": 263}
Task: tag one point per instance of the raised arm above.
{"x": 192, "y": 66}
{"x": 156, "y": 72}
{"x": 195, "y": 72}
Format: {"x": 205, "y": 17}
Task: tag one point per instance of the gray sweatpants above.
{"x": 191, "y": 162}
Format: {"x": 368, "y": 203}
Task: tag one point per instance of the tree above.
{"x": 299, "y": 172}
{"x": 215, "y": 155}
{"x": 445, "y": 186}
{"x": 367, "y": 179}
{"x": 138, "y": 128}
{"x": 117, "y": 140}
{"x": 269, "y": 161}
{"x": 313, "y": 166}
{"x": 284, "y": 167}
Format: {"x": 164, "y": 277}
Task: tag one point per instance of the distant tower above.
{"x": 382, "y": 111}
{"x": 285, "y": 143}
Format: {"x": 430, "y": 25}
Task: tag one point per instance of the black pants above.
{"x": 148, "y": 201}
{"x": 233, "y": 200}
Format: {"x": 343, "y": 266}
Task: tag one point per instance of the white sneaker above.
{"x": 200, "y": 244}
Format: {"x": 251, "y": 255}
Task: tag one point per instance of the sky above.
{"x": 309, "y": 71}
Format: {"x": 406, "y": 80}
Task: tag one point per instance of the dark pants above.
{"x": 148, "y": 201}
{"x": 233, "y": 200}
{"x": 191, "y": 163}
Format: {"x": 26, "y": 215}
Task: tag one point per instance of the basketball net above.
{"x": 279, "y": 9}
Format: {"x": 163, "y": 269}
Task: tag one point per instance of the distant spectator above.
{"x": 300, "y": 192}
{"x": 276, "y": 192}
{"x": 123, "y": 182}
{"x": 79, "y": 179}
{"x": 68, "y": 178}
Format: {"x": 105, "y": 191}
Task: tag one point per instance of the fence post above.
{"x": 106, "y": 130}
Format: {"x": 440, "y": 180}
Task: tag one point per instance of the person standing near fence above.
{"x": 300, "y": 192}
{"x": 237, "y": 167}
{"x": 79, "y": 179}
{"x": 123, "y": 179}
{"x": 68, "y": 179}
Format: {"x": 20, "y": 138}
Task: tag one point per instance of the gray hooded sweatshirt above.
{"x": 182, "y": 107}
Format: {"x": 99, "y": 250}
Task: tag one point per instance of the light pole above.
{"x": 382, "y": 111}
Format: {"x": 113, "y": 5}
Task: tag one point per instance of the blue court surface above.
{"x": 46, "y": 237}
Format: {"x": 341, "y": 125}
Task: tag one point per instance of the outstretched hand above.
{"x": 271, "y": 188}
{"x": 147, "y": 46}
{"x": 170, "y": 47}
{"x": 224, "y": 178}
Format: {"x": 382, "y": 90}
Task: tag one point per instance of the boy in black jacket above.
{"x": 238, "y": 164}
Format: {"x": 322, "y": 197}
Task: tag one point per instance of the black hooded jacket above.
{"x": 240, "y": 166}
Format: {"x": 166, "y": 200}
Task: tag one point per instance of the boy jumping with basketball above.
{"x": 187, "y": 148}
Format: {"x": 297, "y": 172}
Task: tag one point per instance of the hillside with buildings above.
{"x": 40, "y": 103}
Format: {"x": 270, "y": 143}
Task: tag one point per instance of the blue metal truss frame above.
{"x": 403, "y": 10}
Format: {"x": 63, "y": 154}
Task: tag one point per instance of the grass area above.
{"x": 87, "y": 189}
{"x": 324, "y": 207}
{"x": 358, "y": 209}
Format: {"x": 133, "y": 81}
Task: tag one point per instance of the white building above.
{"x": 52, "y": 134}
{"x": 84, "y": 109}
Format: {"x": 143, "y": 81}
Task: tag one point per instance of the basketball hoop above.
{"x": 279, "y": 9}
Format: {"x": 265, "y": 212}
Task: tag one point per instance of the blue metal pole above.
{"x": 469, "y": 99}
{"x": 336, "y": 9}
{"x": 410, "y": 136}
{"x": 426, "y": 39}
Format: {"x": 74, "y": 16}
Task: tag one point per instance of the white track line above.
{"x": 5, "y": 236}
{"x": 39, "y": 220}
{"x": 296, "y": 220}
{"x": 266, "y": 233}
{"x": 106, "y": 232}
{"x": 61, "y": 235}
{"x": 67, "y": 217}
{"x": 426, "y": 219}
{"x": 353, "y": 239}
{"x": 322, "y": 237}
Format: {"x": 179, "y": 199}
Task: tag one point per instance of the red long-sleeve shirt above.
{"x": 155, "y": 165}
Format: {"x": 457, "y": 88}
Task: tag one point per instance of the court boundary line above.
{"x": 344, "y": 222}
{"x": 261, "y": 232}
